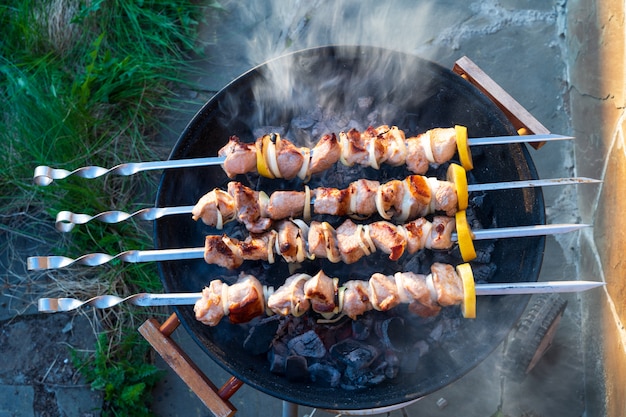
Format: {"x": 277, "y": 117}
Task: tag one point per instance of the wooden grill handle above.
{"x": 216, "y": 400}
{"x": 524, "y": 122}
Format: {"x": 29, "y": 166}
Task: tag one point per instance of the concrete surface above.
{"x": 536, "y": 50}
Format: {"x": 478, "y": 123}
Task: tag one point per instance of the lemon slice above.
{"x": 468, "y": 307}
{"x": 464, "y": 237}
{"x": 462, "y": 145}
{"x": 458, "y": 176}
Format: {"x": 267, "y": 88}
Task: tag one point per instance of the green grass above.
{"x": 87, "y": 83}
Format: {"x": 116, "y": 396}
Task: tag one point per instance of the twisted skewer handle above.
{"x": 53, "y": 305}
{"x": 45, "y": 175}
{"x": 66, "y": 220}
{"x": 96, "y": 259}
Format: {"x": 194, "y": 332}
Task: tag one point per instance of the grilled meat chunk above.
{"x": 325, "y": 154}
{"x": 447, "y": 283}
{"x": 209, "y": 309}
{"x": 321, "y": 290}
{"x": 387, "y": 239}
{"x": 356, "y": 299}
{"x": 290, "y": 298}
{"x": 383, "y": 292}
{"x": 245, "y": 299}
{"x": 289, "y": 158}
{"x": 240, "y": 157}
{"x": 248, "y": 207}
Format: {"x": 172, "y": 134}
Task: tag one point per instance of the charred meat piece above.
{"x": 223, "y": 251}
{"x": 290, "y": 243}
{"x": 353, "y": 149}
{"x": 386, "y": 237}
{"x": 240, "y": 157}
{"x": 245, "y": 300}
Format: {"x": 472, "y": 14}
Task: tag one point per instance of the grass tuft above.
{"x": 86, "y": 83}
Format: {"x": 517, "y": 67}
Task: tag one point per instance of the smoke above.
{"x": 274, "y": 28}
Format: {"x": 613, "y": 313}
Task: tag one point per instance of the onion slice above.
{"x": 225, "y": 299}
{"x": 379, "y": 204}
{"x": 428, "y": 150}
{"x": 271, "y": 157}
{"x": 345, "y": 148}
{"x": 303, "y": 173}
{"x": 307, "y": 204}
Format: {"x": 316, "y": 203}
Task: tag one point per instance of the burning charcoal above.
{"x": 410, "y": 359}
{"x": 360, "y": 330}
{"x": 483, "y": 253}
{"x": 265, "y": 130}
{"x": 325, "y": 374}
{"x": 308, "y": 344}
{"x": 483, "y": 272}
{"x": 277, "y": 357}
{"x": 392, "y": 333}
{"x": 296, "y": 369}
{"x": 393, "y": 364}
{"x": 353, "y": 353}
{"x": 261, "y": 335}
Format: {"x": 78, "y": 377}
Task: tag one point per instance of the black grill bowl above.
{"x": 413, "y": 94}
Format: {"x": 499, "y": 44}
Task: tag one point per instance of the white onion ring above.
{"x": 379, "y": 204}
{"x": 407, "y": 202}
{"x": 433, "y": 184}
{"x": 403, "y": 295}
{"x": 428, "y": 150}
{"x": 307, "y": 203}
{"x": 327, "y": 232}
{"x": 431, "y": 288}
{"x": 371, "y": 150}
{"x": 220, "y": 223}
{"x": 270, "y": 248}
{"x": 272, "y": 158}
{"x": 303, "y": 173}
{"x": 345, "y": 146}
{"x": 368, "y": 238}
{"x": 225, "y": 299}
{"x": 362, "y": 245}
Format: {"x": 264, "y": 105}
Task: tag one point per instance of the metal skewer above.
{"x": 45, "y": 175}
{"x": 53, "y": 305}
{"x": 136, "y": 256}
{"x": 66, "y": 220}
